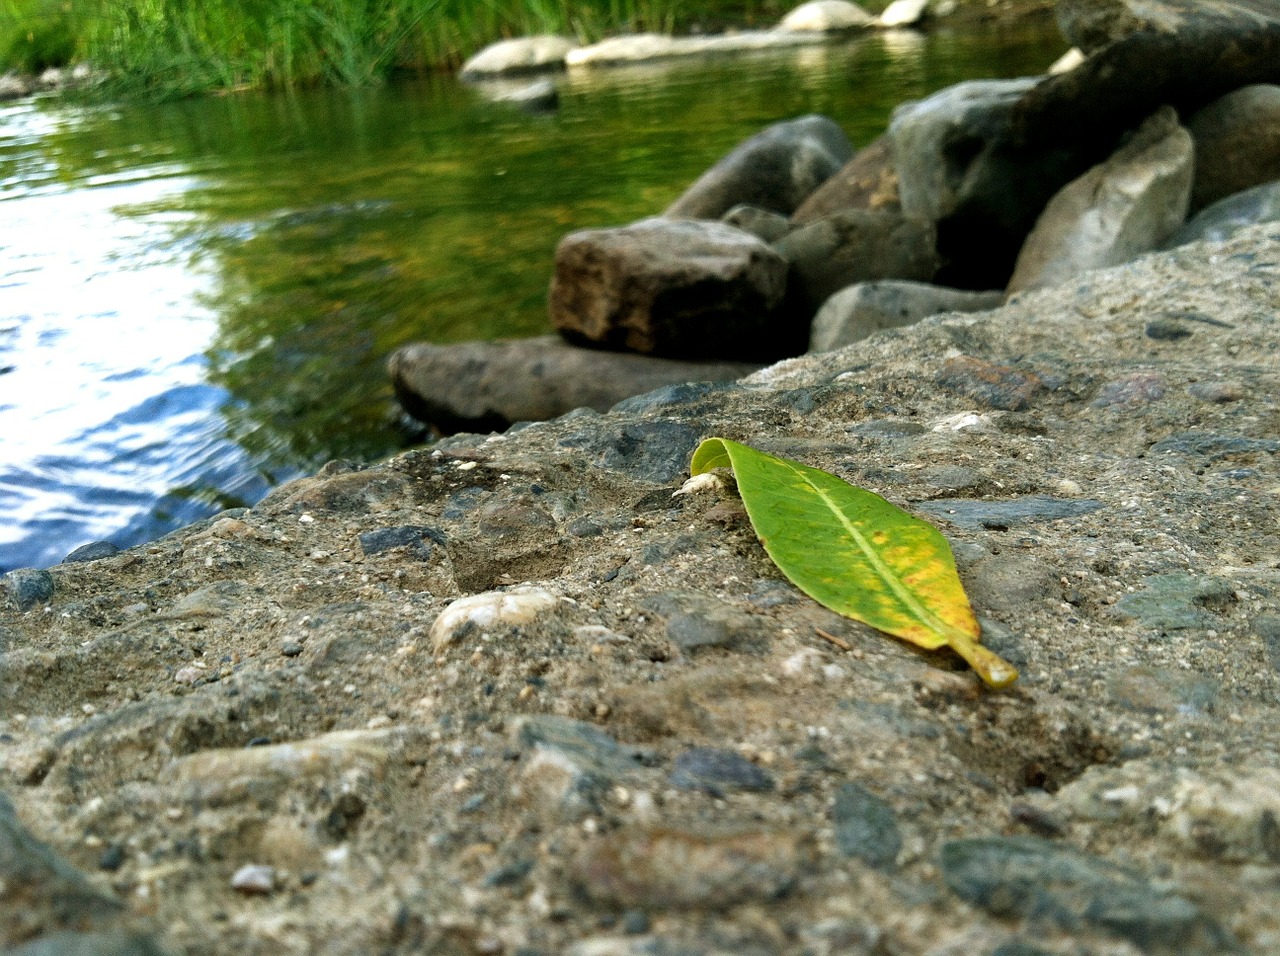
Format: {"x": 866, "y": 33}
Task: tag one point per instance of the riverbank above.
{"x": 172, "y": 49}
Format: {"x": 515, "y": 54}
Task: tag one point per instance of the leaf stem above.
{"x": 994, "y": 670}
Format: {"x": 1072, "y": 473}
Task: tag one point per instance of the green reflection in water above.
{"x": 342, "y": 224}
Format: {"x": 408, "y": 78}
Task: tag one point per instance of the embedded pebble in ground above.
{"x": 492, "y": 609}
{"x": 865, "y": 826}
{"x": 253, "y": 879}
{"x": 29, "y": 587}
{"x": 717, "y": 771}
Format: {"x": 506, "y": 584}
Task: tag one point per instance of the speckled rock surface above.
{"x": 249, "y": 737}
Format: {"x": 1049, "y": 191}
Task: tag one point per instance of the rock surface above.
{"x": 1237, "y": 142}
{"x": 521, "y": 55}
{"x": 1228, "y": 216}
{"x": 672, "y": 288}
{"x": 480, "y": 386}
{"x": 777, "y": 169}
{"x": 263, "y": 690}
{"x": 861, "y": 310}
{"x": 868, "y": 181}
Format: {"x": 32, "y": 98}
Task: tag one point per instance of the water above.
{"x": 197, "y": 300}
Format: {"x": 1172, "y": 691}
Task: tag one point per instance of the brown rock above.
{"x": 995, "y": 386}
{"x": 1237, "y": 143}
{"x": 868, "y": 181}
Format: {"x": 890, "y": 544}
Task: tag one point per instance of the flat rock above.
{"x": 863, "y": 309}
{"x": 483, "y": 386}
{"x": 865, "y": 826}
{"x": 777, "y": 169}
{"x": 521, "y": 55}
{"x": 971, "y": 513}
{"x": 672, "y": 288}
{"x": 645, "y": 47}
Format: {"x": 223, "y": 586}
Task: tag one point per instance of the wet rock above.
{"x": 777, "y": 169}
{"x": 1091, "y": 25}
{"x": 485, "y": 386}
{"x": 416, "y": 538}
{"x": 13, "y": 87}
{"x": 1120, "y": 209}
{"x": 656, "y": 451}
{"x": 765, "y": 224}
{"x": 717, "y": 771}
{"x": 903, "y": 13}
{"x": 696, "y": 622}
{"x": 91, "y": 552}
{"x": 673, "y": 869}
{"x": 866, "y": 827}
{"x": 29, "y": 587}
{"x": 1177, "y": 601}
{"x": 679, "y": 289}
{"x": 861, "y": 310}
{"x": 992, "y": 385}
{"x": 868, "y": 181}
{"x": 1237, "y": 143}
{"x": 90, "y": 944}
{"x": 42, "y": 891}
{"x": 493, "y": 609}
{"x": 538, "y": 96}
{"x": 521, "y": 55}
{"x": 1228, "y": 216}
{"x": 1002, "y": 515}
{"x": 829, "y": 254}
{"x": 826, "y": 16}
{"x": 1046, "y": 883}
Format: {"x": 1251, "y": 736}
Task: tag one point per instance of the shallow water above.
{"x": 197, "y": 299}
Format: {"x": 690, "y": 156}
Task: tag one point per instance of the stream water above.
{"x": 197, "y": 299}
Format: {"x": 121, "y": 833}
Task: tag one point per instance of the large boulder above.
{"x": 1228, "y": 216}
{"x": 776, "y": 169}
{"x": 1091, "y": 25}
{"x": 523, "y": 55}
{"x": 1237, "y": 141}
{"x": 486, "y": 386}
{"x": 826, "y": 16}
{"x": 675, "y": 288}
{"x": 868, "y": 181}
{"x": 1118, "y": 210}
{"x": 855, "y": 246}
{"x": 861, "y": 310}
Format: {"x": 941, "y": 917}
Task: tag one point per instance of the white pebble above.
{"x": 518, "y": 606}
{"x": 254, "y": 879}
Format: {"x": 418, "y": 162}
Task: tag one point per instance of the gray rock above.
{"x": 1118, "y": 210}
{"x": 655, "y": 451}
{"x": 866, "y": 827}
{"x": 863, "y": 309}
{"x": 521, "y": 55}
{"x": 1091, "y": 25}
{"x": 857, "y": 245}
{"x": 678, "y": 289}
{"x": 91, "y": 552}
{"x": 826, "y": 16}
{"x": 696, "y": 623}
{"x": 13, "y": 87}
{"x": 571, "y": 765}
{"x": 1228, "y": 216}
{"x": 972, "y": 513}
{"x": 717, "y": 771}
{"x": 990, "y": 384}
{"x": 765, "y": 224}
{"x": 868, "y": 181}
{"x": 29, "y": 587}
{"x": 1010, "y": 582}
{"x": 1213, "y": 447}
{"x": 1055, "y": 885}
{"x": 776, "y": 169}
{"x": 414, "y": 537}
{"x": 90, "y": 944}
{"x": 485, "y": 386}
{"x": 1177, "y": 601}
{"x": 1237, "y": 142}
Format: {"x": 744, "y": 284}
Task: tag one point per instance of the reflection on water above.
{"x": 198, "y": 298}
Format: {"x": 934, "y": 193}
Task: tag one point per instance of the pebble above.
{"x": 1167, "y": 330}
{"x": 253, "y": 879}
{"x": 995, "y": 386}
{"x": 716, "y": 771}
{"x": 1220, "y": 393}
{"x": 216, "y": 600}
{"x": 1177, "y": 601}
{"x": 695, "y": 622}
{"x": 91, "y": 552}
{"x": 521, "y": 605}
{"x": 1141, "y": 388}
{"x": 29, "y": 587}
{"x": 1000, "y": 515}
{"x": 571, "y": 765}
{"x": 673, "y": 869}
{"x": 1054, "y": 884}
{"x": 416, "y": 538}
{"x": 866, "y": 827}
{"x": 1010, "y": 582}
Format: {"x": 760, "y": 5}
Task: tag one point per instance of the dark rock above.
{"x": 828, "y": 254}
{"x": 865, "y": 827}
{"x": 860, "y": 310}
{"x": 653, "y": 450}
{"x": 1116, "y": 211}
{"x": 692, "y": 290}
{"x": 994, "y": 386}
{"x": 91, "y": 552}
{"x": 1019, "y": 948}
{"x": 413, "y": 537}
{"x": 717, "y": 771}
{"x": 1004, "y": 642}
{"x": 690, "y": 398}
{"x": 868, "y": 181}
{"x": 29, "y": 587}
{"x": 766, "y": 225}
{"x": 1237, "y": 143}
{"x": 1091, "y": 25}
{"x": 1177, "y": 601}
{"x": 42, "y": 891}
{"x": 696, "y": 622}
{"x": 1213, "y": 447}
{"x": 1228, "y": 216}
{"x": 777, "y": 169}
{"x": 90, "y": 944}
{"x": 1001, "y": 515}
{"x": 1058, "y": 886}
{"x": 485, "y": 386}
{"x": 1167, "y": 330}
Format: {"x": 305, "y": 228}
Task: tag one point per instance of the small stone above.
{"x": 290, "y": 648}
{"x": 635, "y": 922}
{"x": 571, "y": 765}
{"x": 414, "y": 537}
{"x": 1010, "y": 582}
{"x": 254, "y": 880}
{"x": 865, "y": 827}
{"x": 112, "y": 858}
{"x": 29, "y": 587}
{"x": 1002, "y": 515}
{"x": 995, "y": 386}
{"x": 716, "y": 771}
{"x": 91, "y": 552}
{"x": 521, "y": 605}
{"x": 696, "y": 622}
{"x": 1167, "y": 330}
{"x": 1219, "y": 393}
{"x": 1142, "y": 388}
{"x": 1177, "y": 601}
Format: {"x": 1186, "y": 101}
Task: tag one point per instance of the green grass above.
{"x": 179, "y": 47}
